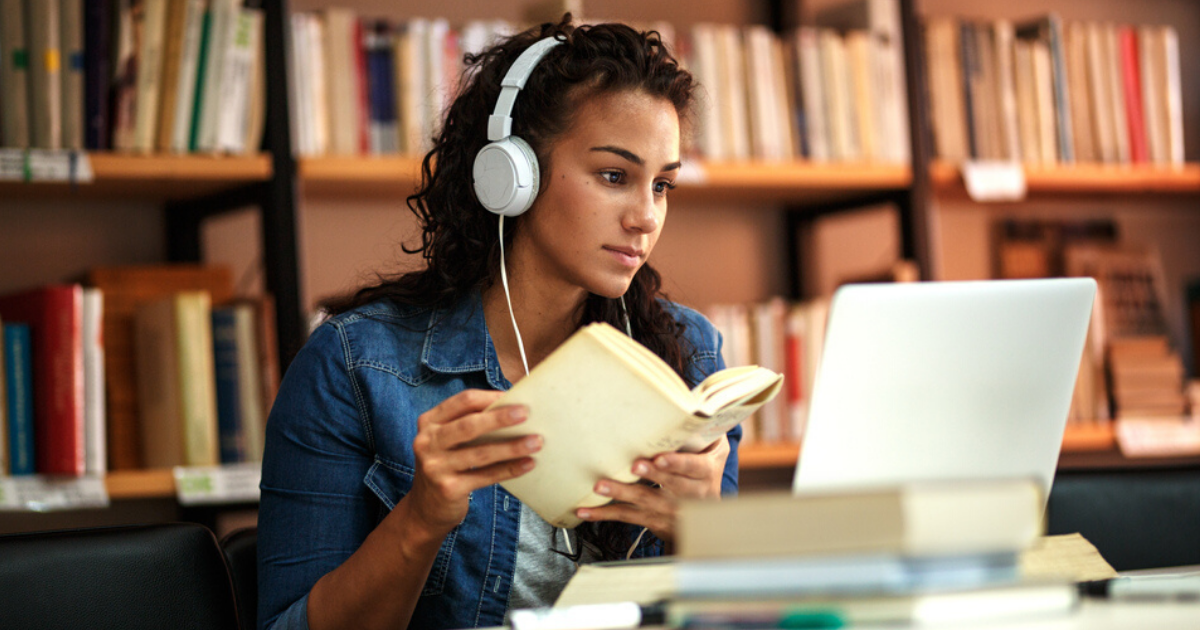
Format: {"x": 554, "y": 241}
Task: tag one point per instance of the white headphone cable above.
{"x": 508, "y": 297}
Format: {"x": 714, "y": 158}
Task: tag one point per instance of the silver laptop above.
{"x": 944, "y": 380}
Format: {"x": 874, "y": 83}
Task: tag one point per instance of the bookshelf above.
{"x": 191, "y": 189}
{"x": 1085, "y": 179}
{"x": 156, "y": 178}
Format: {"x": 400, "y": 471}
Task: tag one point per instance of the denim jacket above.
{"x": 339, "y": 457}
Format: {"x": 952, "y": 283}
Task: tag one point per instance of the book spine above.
{"x": 362, "y": 99}
{"x": 72, "y": 73}
{"x": 18, "y": 371}
{"x": 97, "y": 46}
{"x": 202, "y": 63}
{"x": 235, "y": 82}
{"x": 190, "y": 57}
{"x": 45, "y": 70}
{"x": 1132, "y": 89}
{"x": 95, "y": 440}
{"x": 197, "y": 388}
{"x": 14, "y": 75}
{"x": 249, "y": 381}
{"x": 230, "y": 423}
{"x": 1062, "y": 99}
{"x": 149, "y": 75}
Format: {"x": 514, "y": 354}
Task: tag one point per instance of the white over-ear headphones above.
{"x": 506, "y": 170}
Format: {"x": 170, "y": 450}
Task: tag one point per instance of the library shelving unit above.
{"x": 194, "y": 188}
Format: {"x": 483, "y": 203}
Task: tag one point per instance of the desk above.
{"x": 1097, "y": 614}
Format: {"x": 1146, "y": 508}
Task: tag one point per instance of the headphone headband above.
{"x": 500, "y": 122}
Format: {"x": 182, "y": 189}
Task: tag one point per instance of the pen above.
{"x": 1184, "y": 587}
{"x": 588, "y": 617}
{"x": 817, "y": 619}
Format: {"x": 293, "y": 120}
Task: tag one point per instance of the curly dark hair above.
{"x": 459, "y": 239}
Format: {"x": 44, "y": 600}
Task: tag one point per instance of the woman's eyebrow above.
{"x": 632, "y": 157}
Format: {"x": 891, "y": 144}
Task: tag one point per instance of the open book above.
{"x": 602, "y": 400}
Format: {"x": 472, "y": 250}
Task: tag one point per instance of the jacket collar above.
{"x": 457, "y": 341}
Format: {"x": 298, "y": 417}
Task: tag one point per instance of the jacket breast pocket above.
{"x": 390, "y": 483}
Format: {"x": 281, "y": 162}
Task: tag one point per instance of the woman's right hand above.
{"x": 448, "y": 470}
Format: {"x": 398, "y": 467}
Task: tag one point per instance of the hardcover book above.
{"x": 601, "y": 401}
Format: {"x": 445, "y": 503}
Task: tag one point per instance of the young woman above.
{"x": 374, "y": 511}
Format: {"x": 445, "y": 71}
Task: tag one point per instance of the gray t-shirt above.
{"x": 541, "y": 572}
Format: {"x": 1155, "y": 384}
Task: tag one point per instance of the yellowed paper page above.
{"x": 1068, "y": 555}
{"x": 641, "y": 582}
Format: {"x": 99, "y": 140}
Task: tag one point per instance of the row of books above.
{"x": 167, "y": 76}
{"x": 905, "y": 556}
{"x": 1129, "y": 368}
{"x": 836, "y": 93}
{"x": 136, "y": 370}
{"x": 786, "y": 338}
{"x": 1053, "y": 92}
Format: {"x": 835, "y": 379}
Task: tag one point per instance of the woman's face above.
{"x": 604, "y": 197}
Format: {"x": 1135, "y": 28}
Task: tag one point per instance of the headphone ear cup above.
{"x": 506, "y": 176}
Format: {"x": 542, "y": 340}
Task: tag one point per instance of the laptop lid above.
{"x": 944, "y": 380}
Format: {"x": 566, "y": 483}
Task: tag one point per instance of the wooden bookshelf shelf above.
{"x": 155, "y": 483}
{"x": 1082, "y": 179}
{"x": 1085, "y": 438}
{"x": 398, "y": 176}
{"x": 153, "y": 177}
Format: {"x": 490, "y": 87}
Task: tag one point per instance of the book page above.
{"x": 644, "y": 582}
{"x": 1068, "y": 555}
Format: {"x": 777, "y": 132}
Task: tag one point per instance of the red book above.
{"x": 55, "y": 318}
{"x": 363, "y": 101}
{"x": 1131, "y": 80}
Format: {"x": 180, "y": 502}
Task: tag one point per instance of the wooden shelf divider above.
{"x": 399, "y": 174}
{"x": 1087, "y": 179}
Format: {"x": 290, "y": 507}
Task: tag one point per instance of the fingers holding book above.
{"x": 688, "y": 475}
{"x": 452, "y": 461}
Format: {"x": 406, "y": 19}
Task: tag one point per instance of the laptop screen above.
{"x": 943, "y": 381}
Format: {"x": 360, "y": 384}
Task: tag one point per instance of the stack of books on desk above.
{"x": 925, "y": 553}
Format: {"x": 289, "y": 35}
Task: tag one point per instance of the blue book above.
{"x": 230, "y": 433}
{"x": 18, "y": 377}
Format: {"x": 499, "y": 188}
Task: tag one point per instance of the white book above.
{"x": 816, "y": 120}
{"x": 1152, "y": 66}
{"x": 836, "y": 76}
{"x": 732, "y": 69}
{"x": 863, "y": 98}
{"x": 440, "y": 76}
{"x": 1027, "y": 112}
{"x": 321, "y": 125}
{"x": 185, "y": 87}
{"x": 298, "y": 71}
{"x": 1005, "y": 73}
{"x": 71, "y": 14}
{"x": 94, "y": 417}
{"x": 411, "y": 85}
{"x": 704, "y": 66}
{"x": 1043, "y": 81}
{"x": 764, "y": 128}
{"x": 1100, "y": 87}
{"x": 601, "y": 401}
{"x": 223, "y": 17}
{"x": 1174, "y": 96}
{"x": 149, "y": 75}
{"x": 236, "y": 82}
{"x": 1112, "y": 61}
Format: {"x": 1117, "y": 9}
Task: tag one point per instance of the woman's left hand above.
{"x": 677, "y": 475}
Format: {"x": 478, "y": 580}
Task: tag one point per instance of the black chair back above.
{"x": 126, "y": 578}
{"x": 241, "y": 553}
